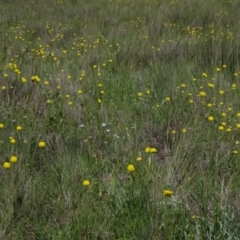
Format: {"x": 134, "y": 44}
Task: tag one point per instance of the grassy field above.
{"x": 119, "y": 120}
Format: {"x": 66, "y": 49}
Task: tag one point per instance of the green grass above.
{"x": 117, "y": 77}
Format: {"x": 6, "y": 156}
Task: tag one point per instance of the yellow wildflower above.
{"x": 86, "y": 183}
{"x": 6, "y": 165}
{"x": 13, "y": 159}
{"x": 18, "y": 128}
{"x": 41, "y": 144}
{"x": 210, "y": 118}
{"x": 131, "y": 168}
{"x": 167, "y": 193}
{"x": 150, "y": 150}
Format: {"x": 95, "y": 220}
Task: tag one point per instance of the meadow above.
{"x": 119, "y": 119}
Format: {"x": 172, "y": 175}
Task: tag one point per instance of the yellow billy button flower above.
{"x": 12, "y": 140}
{"x": 18, "y": 128}
{"x": 211, "y": 85}
{"x": 86, "y": 183}
{"x": 204, "y": 75}
{"x": 220, "y": 128}
{"x": 139, "y": 159}
{"x": 238, "y": 125}
{"x": 221, "y": 92}
{"x": 167, "y": 193}
{"x": 79, "y": 91}
{"x": 6, "y": 165}
{"x": 209, "y": 105}
{"x": 42, "y": 144}
{"x": 167, "y": 99}
{"x": 184, "y": 130}
{"x": 202, "y": 94}
{"x": 1, "y": 125}
{"x": 13, "y": 159}
{"x": 139, "y": 94}
{"x": 131, "y": 168}
{"x": 210, "y": 118}
{"x": 150, "y": 150}
{"x": 23, "y": 79}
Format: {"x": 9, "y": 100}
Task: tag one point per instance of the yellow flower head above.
{"x": 6, "y": 165}
{"x": 139, "y": 159}
{"x": 220, "y": 128}
{"x": 211, "y": 85}
{"x": 13, "y": 159}
{"x": 86, "y": 183}
{"x": 202, "y": 94}
{"x": 131, "y": 168}
{"x": 150, "y": 150}
{"x": 229, "y": 130}
{"x": 204, "y": 75}
{"x": 1, "y": 125}
{"x": 167, "y": 193}
{"x": 184, "y": 130}
{"x": 41, "y": 144}
{"x": 18, "y": 128}
{"x": 210, "y": 118}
